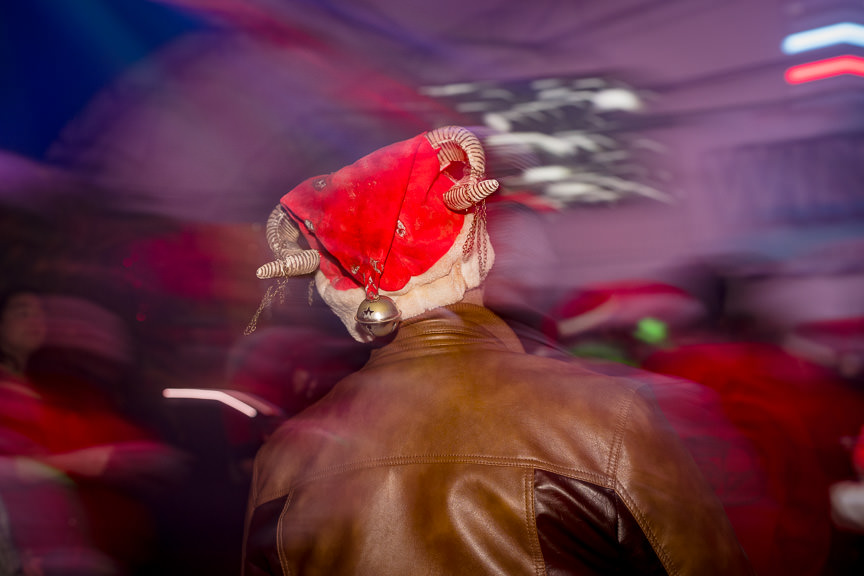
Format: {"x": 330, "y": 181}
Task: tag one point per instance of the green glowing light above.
{"x": 651, "y": 330}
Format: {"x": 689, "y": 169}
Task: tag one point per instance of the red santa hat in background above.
{"x": 392, "y": 235}
{"x": 621, "y": 306}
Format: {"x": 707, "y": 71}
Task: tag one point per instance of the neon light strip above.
{"x": 825, "y": 69}
{"x": 840, "y": 33}
{"x": 218, "y": 395}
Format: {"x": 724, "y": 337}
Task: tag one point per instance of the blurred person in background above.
{"x": 838, "y": 344}
{"x": 847, "y": 497}
{"x": 452, "y": 450}
{"x": 611, "y": 327}
{"x": 292, "y": 366}
{"x": 289, "y": 368}
{"x": 792, "y": 412}
{"x": 118, "y": 465}
{"x": 788, "y": 409}
{"x": 22, "y": 332}
{"x": 44, "y": 528}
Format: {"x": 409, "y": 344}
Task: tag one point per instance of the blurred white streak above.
{"x": 617, "y": 99}
{"x": 551, "y": 144}
{"x": 585, "y": 192}
{"x": 497, "y": 121}
{"x": 585, "y": 140}
{"x": 240, "y": 401}
{"x": 450, "y": 89}
{"x": 473, "y": 106}
{"x": 840, "y": 33}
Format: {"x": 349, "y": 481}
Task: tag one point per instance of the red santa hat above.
{"x": 393, "y": 234}
{"x": 621, "y": 305}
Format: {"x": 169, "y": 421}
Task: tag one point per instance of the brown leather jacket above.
{"x": 454, "y": 452}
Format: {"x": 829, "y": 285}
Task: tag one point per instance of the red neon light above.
{"x": 825, "y": 69}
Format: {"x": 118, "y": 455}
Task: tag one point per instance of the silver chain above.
{"x": 266, "y": 301}
{"x": 477, "y": 234}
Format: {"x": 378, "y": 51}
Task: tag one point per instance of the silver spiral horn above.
{"x": 291, "y": 260}
{"x": 474, "y": 187}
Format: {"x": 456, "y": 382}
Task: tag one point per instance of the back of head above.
{"x": 399, "y": 232}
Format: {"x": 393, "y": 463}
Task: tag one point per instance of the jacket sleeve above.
{"x": 663, "y": 489}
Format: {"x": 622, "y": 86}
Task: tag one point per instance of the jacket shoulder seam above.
{"x": 530, "y": 463}
{"x": 618, "y": 442}
{"x": 283, "y": 560}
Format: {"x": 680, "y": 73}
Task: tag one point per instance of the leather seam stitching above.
{"x": 649, "y": 532}
{"x": 577, "y": 473}
{"x": 283, "y": 561}
{"x": 531, "y": 523}
{"x": 615, "y": 452}
{"x": 643, "y": 522}
{"x": 403, "y": 347}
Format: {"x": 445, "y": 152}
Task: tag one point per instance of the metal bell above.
{"x": 378, "y": 316}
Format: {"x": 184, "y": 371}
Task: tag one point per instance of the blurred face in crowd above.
{"x": 22, "y": 325}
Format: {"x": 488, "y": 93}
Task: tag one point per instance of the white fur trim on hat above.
{"x": 443, "y": 284}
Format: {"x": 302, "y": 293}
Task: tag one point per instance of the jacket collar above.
{"x": 442, "y": 328}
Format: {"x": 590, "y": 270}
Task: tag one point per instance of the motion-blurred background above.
{"x": 675, "y": 180}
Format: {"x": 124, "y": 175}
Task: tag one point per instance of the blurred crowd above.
{"x": 103, "y": 472}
